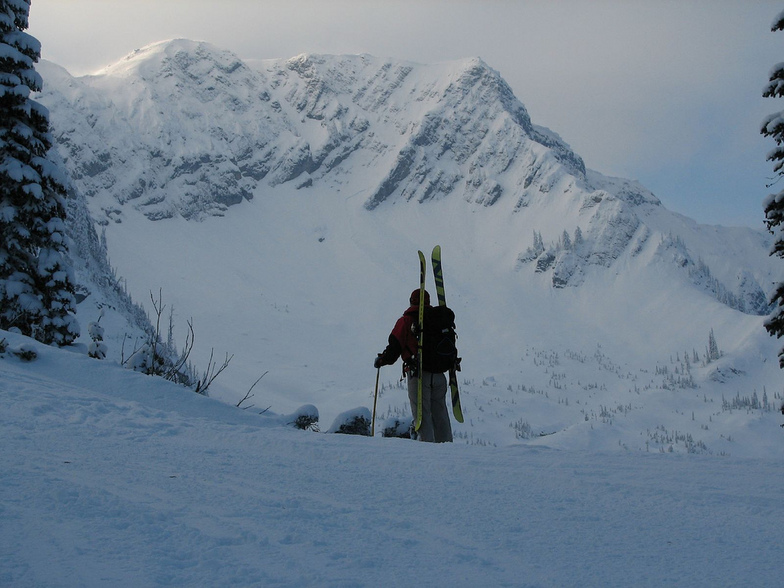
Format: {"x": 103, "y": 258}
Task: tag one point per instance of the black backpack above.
{"x": 439, "y": 352}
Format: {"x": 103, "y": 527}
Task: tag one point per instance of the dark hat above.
{"x": 414, "y": 299}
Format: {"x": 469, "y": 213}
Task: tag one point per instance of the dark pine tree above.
{"x": 773, "y": 126}
{"x": 36, "y": 285}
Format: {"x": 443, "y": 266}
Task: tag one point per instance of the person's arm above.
{"x": 390, "y": 354}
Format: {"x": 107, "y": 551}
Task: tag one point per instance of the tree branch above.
{"x": 248, "y": 394}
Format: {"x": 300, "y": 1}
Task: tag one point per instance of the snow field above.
{"x": 303, "y": 282}
{"x": 594, "y": 452}
{"x": 111, "y": 477}
{"x": 308, "y": 290}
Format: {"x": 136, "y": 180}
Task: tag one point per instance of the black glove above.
{"x": 378, "y": 362}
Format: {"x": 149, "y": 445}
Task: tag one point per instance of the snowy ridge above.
{"x": 181, "y": 128}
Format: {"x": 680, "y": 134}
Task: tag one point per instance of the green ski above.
{"x": 420, "y": 337}
{"x": 438, "y": 273}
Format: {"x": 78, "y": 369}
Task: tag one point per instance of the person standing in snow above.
{"x": 435, "y": 426}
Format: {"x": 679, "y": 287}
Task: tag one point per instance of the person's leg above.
{"x": 425, "y": 432}
{"x": 442, "y": 426}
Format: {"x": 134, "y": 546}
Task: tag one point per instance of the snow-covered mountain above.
{"x": 184, "y": 129}
{"x": 280, "y": 203}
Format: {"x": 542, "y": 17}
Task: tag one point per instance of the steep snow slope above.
{"x": 290, "y": 197}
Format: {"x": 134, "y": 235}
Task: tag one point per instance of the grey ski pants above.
{"x": 436, "y": 426}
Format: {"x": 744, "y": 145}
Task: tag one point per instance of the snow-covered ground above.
{"x": 581, "y": 302}
{"x": 602, "y": 445}
{"x": 113, "y": 478}
{"x": 356, "y": 163}
{"x": 308, "y": 287}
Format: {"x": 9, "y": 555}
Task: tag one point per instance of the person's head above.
{"x": 414, "y": 299}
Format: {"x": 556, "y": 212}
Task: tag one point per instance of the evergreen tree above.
{"x": 578, "y": 237}
{"x": 713, "y": 348}
{"x": 538, "y": 243}
{"x": 566, "y": 241}
{"x": 36, "y": 287}
{"x": 773, "y": 126}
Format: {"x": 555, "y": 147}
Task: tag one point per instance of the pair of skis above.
{"x": 438, "y": 273}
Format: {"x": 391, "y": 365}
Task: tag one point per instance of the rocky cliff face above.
{"x": 182, "y": 128}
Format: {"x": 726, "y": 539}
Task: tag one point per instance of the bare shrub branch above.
{"x": 174, "y": 371}
{"x": 211, "y": 373}
{"x": 248, "y": 394}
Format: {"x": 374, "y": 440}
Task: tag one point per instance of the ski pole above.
{"x": 375, "y": 398}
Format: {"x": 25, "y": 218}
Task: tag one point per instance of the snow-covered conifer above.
{"x": 713, "y": 348}
{"x": 578, "y": 238}
{"x": 538, "y": 242}
{"x": 97, "y": 348}
{"x": 36, "y": 287}
{"x": 566, "y": 240}
{"x": 773, "y": 126}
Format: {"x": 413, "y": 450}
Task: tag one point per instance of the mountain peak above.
{"x": 171, "y": 55}
{"x": 192, "y": 130}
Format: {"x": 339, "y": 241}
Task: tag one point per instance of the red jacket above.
{"x": 402, "y": 340}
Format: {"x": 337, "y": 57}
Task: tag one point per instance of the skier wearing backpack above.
{"x": 436, "y": 426}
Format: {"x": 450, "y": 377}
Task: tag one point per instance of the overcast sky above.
{"x": 667, "y": 92}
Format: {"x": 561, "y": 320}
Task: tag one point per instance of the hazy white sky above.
{"x": 667, "y": 92}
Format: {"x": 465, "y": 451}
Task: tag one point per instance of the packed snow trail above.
{"x": 108, "y": 477}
